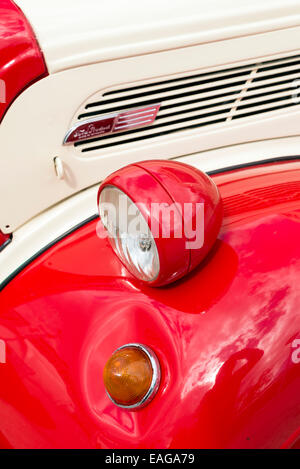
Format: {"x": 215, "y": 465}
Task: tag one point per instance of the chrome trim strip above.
{"x": 86, "y": 122}
{"x": 142, "y": 112}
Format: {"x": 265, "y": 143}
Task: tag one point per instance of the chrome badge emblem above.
{"x": 112, "y": 123}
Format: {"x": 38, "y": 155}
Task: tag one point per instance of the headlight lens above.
{"x": 129, "y": 233}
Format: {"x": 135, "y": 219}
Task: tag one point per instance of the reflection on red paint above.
{"x": 223, "y": 335}
{"x": 4, "y": 238}
{"x": 21, "y": 61}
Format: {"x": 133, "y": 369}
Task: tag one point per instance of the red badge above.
{"x": 112, "y": 123}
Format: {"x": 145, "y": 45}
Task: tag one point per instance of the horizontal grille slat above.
{"x": 273, "y": 63}
{"x": 182, "y": 110}
{"x": 172, "y": 102}
{"x": 278, "y": 66}
{"x": 264, "y": 103}
{"x": 265, "y": 99}
{"x": 272, "y": 91}
{"x": 152, "y": 135}
{"x": 266, "y": 76}
{"x": 182, "y": 85}
{"x": 189, "y": 102}
{"x": 177, "y": 80}
{"x": 197, "y": 119}
{"x": 260, "y": 111}
{"x": 270, "y": 81}
{"x": 173, "y": 93}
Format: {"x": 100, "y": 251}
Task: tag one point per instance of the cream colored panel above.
{"x": 76, "y": 32}
{"x": 53, "y": 223}
{"x": 33, "y": 130}
{"x": 46, "y": 228}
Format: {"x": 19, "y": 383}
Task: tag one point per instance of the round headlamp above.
{"x": 162, "y": 218}
{"x": 135, "y": 247}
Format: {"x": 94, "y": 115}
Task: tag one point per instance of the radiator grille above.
{"x": 199, "y": 100}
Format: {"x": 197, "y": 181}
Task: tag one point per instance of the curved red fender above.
{"x": 227, "y": 335}
{"x": 21, "y": 60}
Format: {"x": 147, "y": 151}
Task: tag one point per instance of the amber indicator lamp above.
{"x": 132, "y": 376}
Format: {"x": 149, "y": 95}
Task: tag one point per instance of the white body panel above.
{"x": 33, "y": 130}
{"x": 73, "y": 33}
{"x": 44, "y": 229}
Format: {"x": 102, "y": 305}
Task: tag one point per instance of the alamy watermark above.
{"x": 296, "y": 352}
{"x": 2, "y": 351}
{"x": 2, "y": 91}
{"x": 164, "y": 220}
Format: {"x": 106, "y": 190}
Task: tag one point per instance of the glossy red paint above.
{"x": 224, "y": 335}
{"x": 21, "y": 61}
{"x": 3, "y": 240}
{"x": 137, "y": 183}
{"x": 187, "y": 184}
{"x": 169, "y": 183}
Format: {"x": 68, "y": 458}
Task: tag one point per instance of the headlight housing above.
{"x": 162, "y": 218}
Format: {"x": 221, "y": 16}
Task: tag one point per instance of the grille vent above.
{"x": 199, "y": 100}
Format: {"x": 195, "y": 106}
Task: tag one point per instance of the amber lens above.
{"x": 128, "y": 376}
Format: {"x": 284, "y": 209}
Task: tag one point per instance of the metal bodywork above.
{"x": 224, "y": 335}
